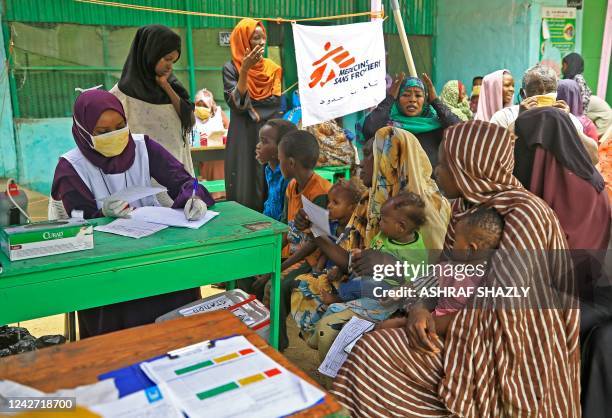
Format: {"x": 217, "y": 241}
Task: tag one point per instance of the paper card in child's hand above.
{"x": 257, "y": 226}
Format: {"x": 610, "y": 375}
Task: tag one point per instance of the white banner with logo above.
{"x": 341, "y": 69}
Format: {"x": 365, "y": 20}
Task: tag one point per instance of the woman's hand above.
{"x": 162, "y": 80}
{"x": 561, "y": 104}
{"x": 301, "y": 220}
{"x": 528, "y": 104}
{"x": 195, "y": 209}
{"x": 421, "y": 331}
{"x": 252, "y": 57}
{"x": 431, "y": 90}
{"x": 363, "y": 262}
{"x": 396, "y": 84}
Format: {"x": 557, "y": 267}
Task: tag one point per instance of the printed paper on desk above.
{"x": 132, "y": 194}
{"x": 130, "y": 228}
{"x": 152, "y": 402}
{"x": 170, "y": 217}
{"x": 341, "y": 69}
{"x": 319, "y": 218}
{"x": 232, "y": 378}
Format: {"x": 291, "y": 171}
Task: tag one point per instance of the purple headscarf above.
{"x": 569, "y": 91}
{"x": 87, "y": 110}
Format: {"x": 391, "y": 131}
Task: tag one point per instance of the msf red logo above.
{"x": 323, "y": 73}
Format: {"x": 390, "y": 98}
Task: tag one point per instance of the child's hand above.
{"x": 301, "y": 220}
{"x": 329, "y": 299}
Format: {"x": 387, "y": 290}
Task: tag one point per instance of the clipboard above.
{"x": 131, "y": 379}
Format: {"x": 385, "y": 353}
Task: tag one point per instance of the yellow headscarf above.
{"x": 400, "y": 163}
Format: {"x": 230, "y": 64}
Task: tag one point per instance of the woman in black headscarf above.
{"x": 572, "y": 67}
{"x": 552, "y": 163}
{"x": 155, "y": 102}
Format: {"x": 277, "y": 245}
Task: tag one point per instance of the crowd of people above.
{"x": 521, "y": 183}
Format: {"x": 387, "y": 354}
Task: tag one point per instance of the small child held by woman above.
{"x": 401, "y": 218}
{"x": 477, "y": 235}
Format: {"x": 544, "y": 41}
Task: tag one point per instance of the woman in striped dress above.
{"x": 493, "y": 362}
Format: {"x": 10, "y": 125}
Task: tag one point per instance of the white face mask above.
{"x": 109, "y": 144}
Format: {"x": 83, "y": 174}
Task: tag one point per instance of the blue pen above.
{"x": 195, "y": 187}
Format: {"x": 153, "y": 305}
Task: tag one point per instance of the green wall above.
{"x": 592, "y": 37}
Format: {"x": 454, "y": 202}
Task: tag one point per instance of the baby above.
{"x": 477, "y": 235}
{"x": 401, "y": 218}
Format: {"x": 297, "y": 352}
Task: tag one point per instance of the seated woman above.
{"x": 492, "y": 362}
{"x": 414, "y": 108}
{"x": 107, "y": 159}
{"x": 210, "y": 130}
{"x": 454, "y": 96}
{"x": 496, "y": 93}
{"x": 551, "y": 162}
{"x": 401, "y": 165}
{"x": 569, "y": 91}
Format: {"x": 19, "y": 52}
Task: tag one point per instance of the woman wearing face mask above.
{"x": 415, "y": 108}
{"x": 107, "y": 159}
{"x": 155, "y": 102}
{"x": 211, "y": 122}
{"x": 210, "y": 130}
{"x": 252, "y": 86}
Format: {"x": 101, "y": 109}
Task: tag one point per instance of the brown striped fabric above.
{"x": 521, "y": 362}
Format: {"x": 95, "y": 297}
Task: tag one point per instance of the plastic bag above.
{"x": 15, "y": 340}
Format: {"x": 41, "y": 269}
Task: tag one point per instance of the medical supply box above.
{"x": 46, "y": 238}
{"x": 244, "y": 306}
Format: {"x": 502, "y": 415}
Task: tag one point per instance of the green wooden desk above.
{"x": 121, "y": 268}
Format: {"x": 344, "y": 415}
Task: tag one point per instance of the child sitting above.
{"x": 476, "y": 236}
{"x": 343, "y": 198}
{"x": 298, "y": 153}
{"x": 266, "y": 153}
{"x": 401, "y": 217}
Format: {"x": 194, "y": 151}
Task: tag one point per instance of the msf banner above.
{"x": 341, "y": 69}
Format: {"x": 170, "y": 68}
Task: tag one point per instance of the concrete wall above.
{"x": 8, "y": 159}
{"x": 40, "y": 143}
{"x": 477, "y": 37}
{"x": 595, "y": 15}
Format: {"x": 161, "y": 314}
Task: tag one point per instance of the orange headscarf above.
{"x": 264, "y": 77}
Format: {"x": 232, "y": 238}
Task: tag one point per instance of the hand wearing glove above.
{"x": 116, "y": 208}
{"x": 195, "y": 209}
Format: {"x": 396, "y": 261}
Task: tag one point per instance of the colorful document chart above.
{"x": 230, "y": 379}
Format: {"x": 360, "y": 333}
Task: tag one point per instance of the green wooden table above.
{"x": 121, "y": 268}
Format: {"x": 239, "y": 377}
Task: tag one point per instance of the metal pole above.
{"x": 11, "y": 75}
{"x": 190, "y": 59}
{"x": 397, "y": 16}
{"x": 606, "y": 49}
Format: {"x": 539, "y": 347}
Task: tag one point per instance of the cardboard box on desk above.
{"x": 46, "y": 238}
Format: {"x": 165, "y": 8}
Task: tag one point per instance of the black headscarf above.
{"x": 553, "y": 130}
{"x": 575, "y": 65}
{"x": 151, "y": 43}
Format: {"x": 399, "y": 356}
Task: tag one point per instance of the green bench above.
{"x": 333, "y": 173}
